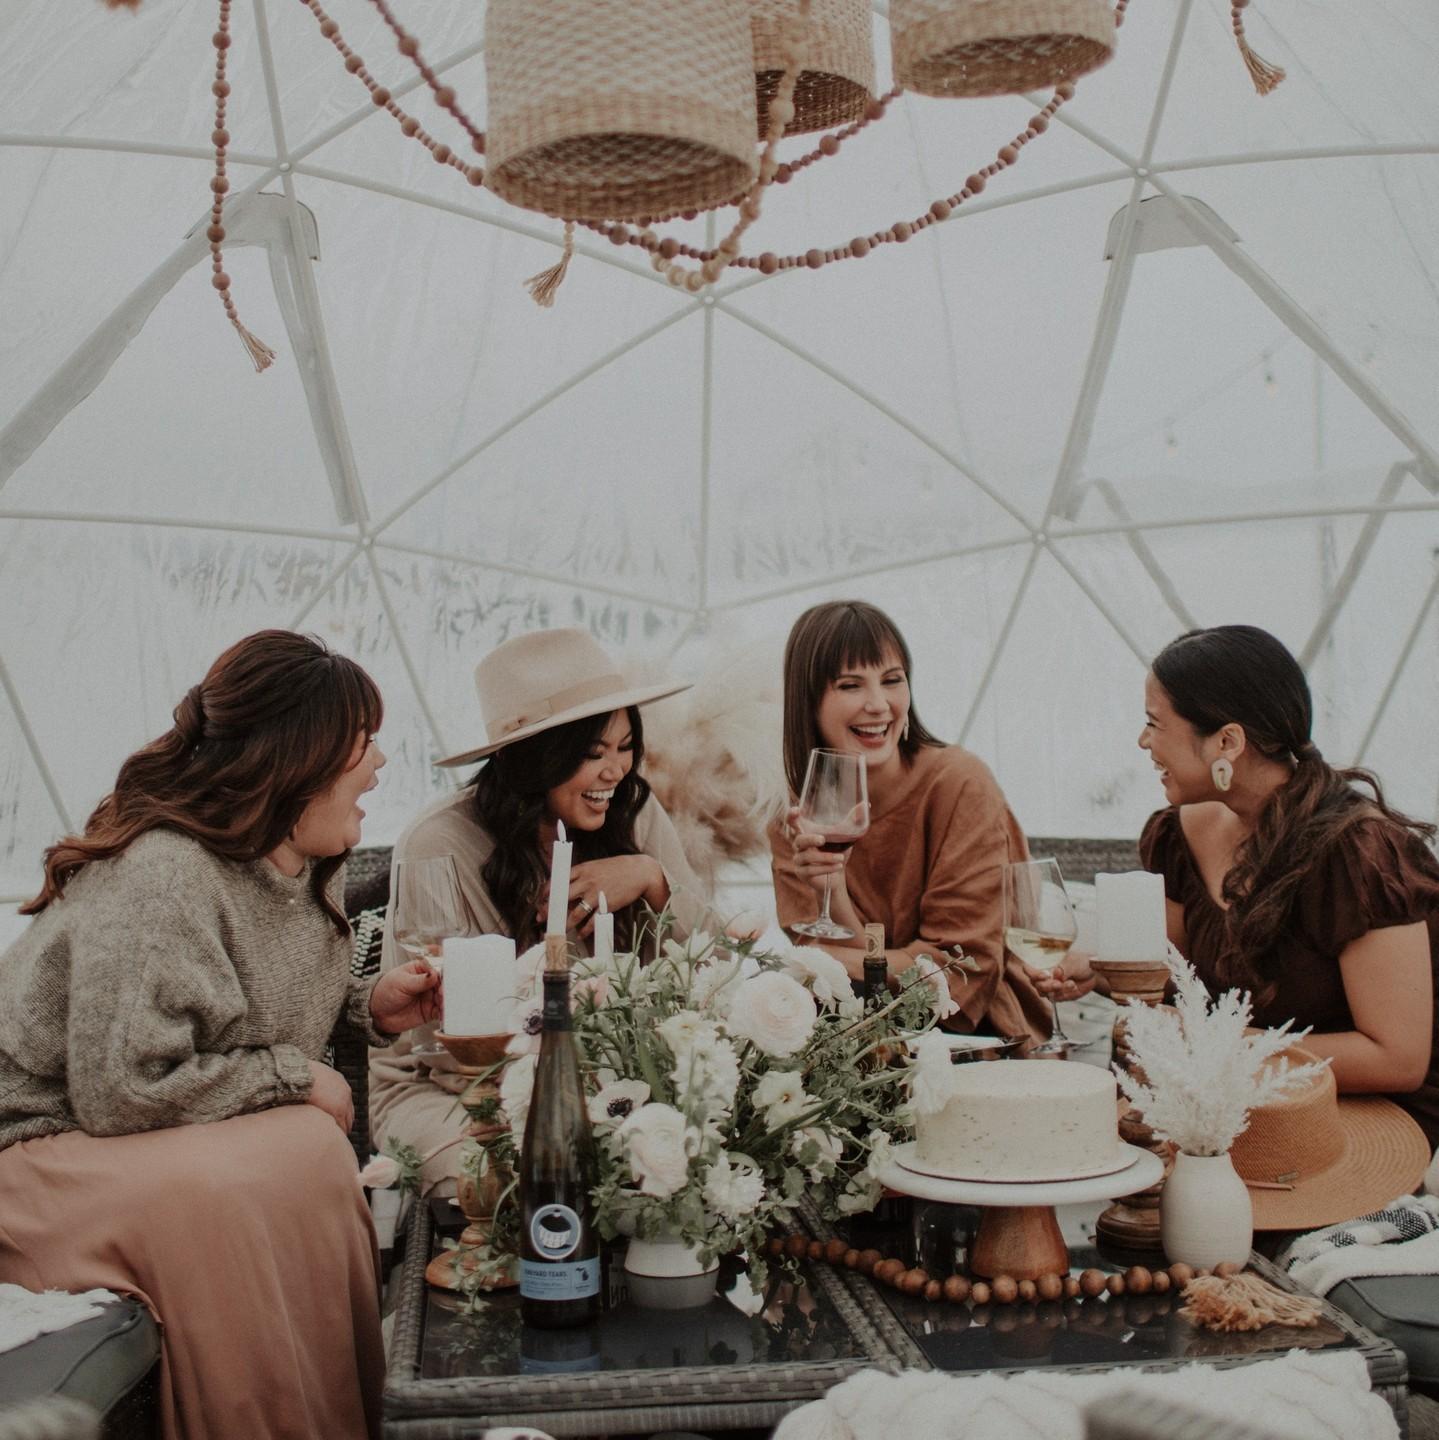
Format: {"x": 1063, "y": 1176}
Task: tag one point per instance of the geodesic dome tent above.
{"x": 1177, "y": 366}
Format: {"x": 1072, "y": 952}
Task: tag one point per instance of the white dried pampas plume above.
{"x": 713, "y": 758}
{"x": 1202, "y": 1074}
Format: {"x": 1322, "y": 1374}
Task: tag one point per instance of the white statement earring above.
{"x": 904, "y": 729}
{"x": 1222, "y": 773}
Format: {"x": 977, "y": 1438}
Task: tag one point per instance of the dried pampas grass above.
{"x": 713, "y": 758}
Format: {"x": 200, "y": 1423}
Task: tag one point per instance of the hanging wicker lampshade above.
{"x": 837, "y": 81}
{"x": 614, "y": 109}
{"x": 997, "y": 47}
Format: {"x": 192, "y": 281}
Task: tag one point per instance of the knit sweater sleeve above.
{"x": 152, "y": 992}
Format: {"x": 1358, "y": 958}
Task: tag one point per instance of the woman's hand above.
{"x": 623, "y": 879}
{"x": 406, "y": 996}
{"x": 1070, "y": 979}
{"x": 812, "y": 864}
{"x": 330, "y": 1092}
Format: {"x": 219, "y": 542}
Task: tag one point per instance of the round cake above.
{"x": 1015, "y": 1120}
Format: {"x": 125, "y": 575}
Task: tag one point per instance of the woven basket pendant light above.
{"x": 837, "y": 81}
{"x": 997, "y": 47}
{"x": 616, "y": 109}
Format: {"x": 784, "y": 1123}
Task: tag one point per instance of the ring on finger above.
{"x": 586, "y": 906}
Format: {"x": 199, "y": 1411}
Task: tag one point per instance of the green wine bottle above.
{"x": 559, "y": 1248}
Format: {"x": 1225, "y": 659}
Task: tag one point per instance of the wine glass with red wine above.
{"x": 833, "y": 803}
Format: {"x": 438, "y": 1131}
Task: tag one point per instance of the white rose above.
{"x": 780, "y": 1094}
{"x": 931, "y": 1074}
{"x": 775, "y": 1012}
{"x": 660, "y": 1145}
{"x": 733, "y": 1191}
{"x": 820, "y": 972}
{"x": 616, "y": 1102}
{"x": 517, "y": 1084}
{"x": 830, "y": 1150}
{"x": 944, "y": 1003}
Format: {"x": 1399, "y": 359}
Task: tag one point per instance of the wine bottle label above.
{"x": 565, "y": 1280}
{"x": 556, "y": 1013}
{"x": 555, "y": 1231}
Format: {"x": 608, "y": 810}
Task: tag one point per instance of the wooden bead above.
{"x": 219, "y": 184}
{"x": 851, "y": 1259}
{"x": 1092, "y": 1282}
{"x": 1028, "y": 1290}
{"x": 979, "y": 1292}
{"x": 1181, "y": 1274}
{"x": 1226, "y": 1268}
{"x": 380, "y": 96}
{"x": 1038, "y": 124}
{"x": 618, "y": 234}
{"x": 885, "y": 1271}
{"x": 1115, "y": 1284}
{"x": 1159, "y": 1282}
{"x": 814, "y": 259}
{"x": 1071, "y": 1286}
{"x": 932, "y": 1290}
{"x": 328, "y": 28}
{"x": 768, "y": 263}
{"x": 912, "y": 1282}
{"x": 816, "y": 1249}
{"x": 834, "y": 1251}
{"x": 1049, "y": 1287}
{"x": 1005, "y": 1289}
{"x": 1138, "y": 1280}
{"x": 474, "y": 175}
{"x": 215, "y": 234}
{"x": 956, "y": 1289}
{"x": 874, "y": 110}
{"x": 902, "y": 231}
{"x": 941, "y": 209}
{"x": 975, "y": 183}
{"x": 354, "y": 64}
{"x": 829, "y": 146}
{"x": 1202, "y": 1272}
{"x": 220, "y": 89}
{"x": 445, "y": 96}
{"x": 220, "y": 280}
{"x": 797, "y": 1246}
{"x": 783, "y": 174}
{"x": 775, "y": 1246}
{"x": 1065, "y": 91}
{"x": 868, "y": 1259}
{"x": 442, "y": 154}
{"x": 409, "y": 46}
{"x": 409, "y": 126}
{"x": 1008, "y": 155}
{"x": 220, "y": 40}
{"x": 859, "y": 247}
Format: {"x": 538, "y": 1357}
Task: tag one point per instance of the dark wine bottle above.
{"x": 559, "y": 1249}
{"x": 876, "y": 967}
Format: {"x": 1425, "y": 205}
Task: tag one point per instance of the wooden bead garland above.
{"x": 1002, "y": 1289}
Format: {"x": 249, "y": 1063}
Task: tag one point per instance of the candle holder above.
{"x": 477, "y": 1055}
{"x": 1128, "y": 1231}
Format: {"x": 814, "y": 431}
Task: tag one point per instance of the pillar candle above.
{"x": 479, "y": 984}
{"x": 1131, "y": 916}
{"x": 559, "y": 883}
{"x": 604, "y": 933}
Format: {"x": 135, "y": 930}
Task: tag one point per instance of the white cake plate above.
{"x": 1018, "y": 1232}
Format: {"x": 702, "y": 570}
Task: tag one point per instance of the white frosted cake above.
{"x": 1013, "y": 1120}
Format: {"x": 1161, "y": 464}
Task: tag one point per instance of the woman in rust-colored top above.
{"x": 930, "y": 866}
{"x": 1284, "y": 878}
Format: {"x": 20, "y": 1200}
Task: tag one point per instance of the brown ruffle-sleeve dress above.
{"x": 930, "y": 869}
{"x": 1376, "y": 875}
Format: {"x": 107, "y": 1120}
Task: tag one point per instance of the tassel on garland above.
{"x": 122, "y": 4}
{"x": 260, "y": 354}
{"x": 542, "y": 287}
{"x": 1246, "y": 1302}
{"x": 1264, "y": 75}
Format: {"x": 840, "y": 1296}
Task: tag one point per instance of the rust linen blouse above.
{"x": 930, "y": 870}
{"x": 1375, "y": 875}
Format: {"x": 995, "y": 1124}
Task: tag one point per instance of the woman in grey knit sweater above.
{"x": 167, "y": 1128}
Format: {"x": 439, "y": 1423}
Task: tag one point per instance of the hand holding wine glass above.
{"x": 1039, "y": 927}
{"x": 833, "y": 805}
{"x": 428, "y": 908}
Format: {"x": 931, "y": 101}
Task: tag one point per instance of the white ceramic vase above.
{"x": 666, "y": 1274}
{"x": 1204, "y": 1212}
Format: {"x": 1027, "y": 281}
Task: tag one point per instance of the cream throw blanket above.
{"x": 25, "y": 1314}
{"x": 1301, "y": 1396}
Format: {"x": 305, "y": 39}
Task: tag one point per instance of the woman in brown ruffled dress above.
{"x": 167, "y": 1127}
{"x": 1282, "y": 875}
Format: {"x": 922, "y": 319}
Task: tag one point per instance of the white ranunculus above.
{"x": 733, "y": 1190}
{"x": 775, "y": 1012}
{"x": 780, "y": 1094}
{"x": 931, "y": 1074}
{"x": 881, "y": 1152}
{"x": 686, "y": 1030}
{"x": 945, "y": 1004}
{"x": 660, "y": 1143}
{"x": 616, "y": 1102}
{"x": 517, "y": 1084}
{"x": 820, "y": 1164}
{"x": 714, "y": 983}
{"x": 820, "y": 972}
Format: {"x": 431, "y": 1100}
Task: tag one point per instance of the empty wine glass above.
{"x": 1039, "y": 927}
{"x": 833, "y": 803}
{"x": 429, "y": 908}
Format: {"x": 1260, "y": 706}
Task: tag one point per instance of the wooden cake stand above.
{"x": 1018, "y": 1232}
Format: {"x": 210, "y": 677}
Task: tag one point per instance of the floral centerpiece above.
{"x": 727, "y": 1080}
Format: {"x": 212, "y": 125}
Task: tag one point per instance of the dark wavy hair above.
{"x": 509, "y": 802}
{"x": 271, "y": 726}
{"x": 823, "y": 643}
{"x": 1241, "y": 675}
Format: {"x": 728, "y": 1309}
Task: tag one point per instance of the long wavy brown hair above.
{"x": 271, "y": 726}
{"x": 823, "y": 643}
{"x": 1241, "y": 675}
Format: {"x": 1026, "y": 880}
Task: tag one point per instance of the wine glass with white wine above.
{"x": 834, "y": 804}
{"x": 429, "y": 908}
{"x": 1040, "y": 928}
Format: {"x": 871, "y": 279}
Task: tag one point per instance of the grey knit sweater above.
{"x": 169, "y": 987}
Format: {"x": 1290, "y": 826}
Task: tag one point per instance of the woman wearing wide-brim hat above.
{"x": 564, "y": 741}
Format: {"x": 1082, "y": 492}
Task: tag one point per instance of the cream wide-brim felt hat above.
{"x": 545, "y": 679}
{"x": 1315, "y": 1157}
